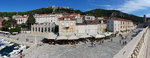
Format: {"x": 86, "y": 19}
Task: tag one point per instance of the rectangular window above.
{"x": 63, "y": 24}
{"x": 67, "y": 25}
{"x": 71, "y": 30}
{"x": 71, "y": 23}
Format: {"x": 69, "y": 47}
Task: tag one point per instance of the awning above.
{"x": 51, "y": 36}
{"x": 84, "y": 36}
{"x": 7, "y": 33}
{"x": 1, "y": 31}
{"x": 15, "y": 32}
{"x": 99, "y": 36}
{"x": 73, "y": 37}
{"x": 62, "y": 38}
{"x": 108, "y": 33}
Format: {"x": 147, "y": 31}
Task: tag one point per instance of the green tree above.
{"x": 16, "y": 29}
{"x": 5, "y": 23}
{"x": 30, "y": 21}
{"x": 8, "y": 24}
{"x": 12, "y": 22}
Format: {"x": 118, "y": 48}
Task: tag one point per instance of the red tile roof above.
{"x": 115, "y": 18}
{"x": 50, "y": 15}
{"x": 71, "y": 18}
{"x": 74, "y": 14}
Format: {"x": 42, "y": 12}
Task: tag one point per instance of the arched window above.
{"x": 39, "y": 29}
{"x": 48, "y": 29}
{"x": 45, "y": 29}
{"x": 33, "y": 28}
{"x": 42, "y": 29}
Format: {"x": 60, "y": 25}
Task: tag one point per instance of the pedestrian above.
{"x": 84, "y": 42}
{"x": 92, "y": 44}
{"x": 17, "y": 38}
{"x": 21, "y": 56}
{"x": 123, "y": 42}
{"x": 99, "y": 42}
{"x": 131, "y": 38}
{"x": 122, "y": 37}
{"x": 111, "y": 40}
{"x": 120, "y": 41}
{"x": 102, "y": 41}
{"x": 27, "y": 40}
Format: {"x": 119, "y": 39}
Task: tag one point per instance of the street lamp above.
{"x": 35, "y": 41}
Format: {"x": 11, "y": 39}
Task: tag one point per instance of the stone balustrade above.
{"x": 135, "y": 48}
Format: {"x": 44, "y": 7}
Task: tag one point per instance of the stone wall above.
{"x": 134, "y": 48}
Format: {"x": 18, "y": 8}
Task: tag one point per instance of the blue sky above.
{"x": 136, "y": 7}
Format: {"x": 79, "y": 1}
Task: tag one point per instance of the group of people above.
{"x": 123, "y": 41}
{"x": 93, "y": 43}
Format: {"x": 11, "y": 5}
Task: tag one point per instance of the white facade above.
{"x": 120, "y": 26}
{"x": 20, "y": 19}
{"x": 87, "y": 17}
{"x": 86, "y": 29}
{"x": 113, "y": 25}
{"x": 42, "y": 28}
{"x": 67, "y": 26}
{"x": 78, "y": 17}
{"x": 50, "y": 18}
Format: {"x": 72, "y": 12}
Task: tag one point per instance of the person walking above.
{"x": 120, "y": 41}
{"x": 20, "y": 55}
{"x": 131, "y": 38}
{"x": 94, "y": 44}
{"x": 125, "y": 42}
{"x": 91, "y": 44}
{"x": 111, "y": 39}
{"x": 100, "y": 42}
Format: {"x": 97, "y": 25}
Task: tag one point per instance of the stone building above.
{"x": 20, "y": 19}
{"x": 1, "y": 20}
{"x": 67, "y": 25}
{"x": 91, "y": 27}
{"x": 146, "y": 21}
{"x": 102, "y": 26}
{"x": 42, "y": 28}
{"x": 88, "y": 17}
{"x": 118, "y": 25}
{"x": 51, "y": 18}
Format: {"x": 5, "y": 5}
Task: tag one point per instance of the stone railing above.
{"x": 133, "y": 48}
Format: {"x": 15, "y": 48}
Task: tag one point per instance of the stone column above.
{"x": 47, "y": 29}
{"x": 40, "y": 29}
{"x": 43, "y": 29}
{"x": 33, "y": 28}
{"x": 37, "y": 29}
{"x": 50, "y": 29}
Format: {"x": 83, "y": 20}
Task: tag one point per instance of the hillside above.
{"x": 39, "y": 11}
{"x": 114, "y": 13}
{"x": 95, "y": 12}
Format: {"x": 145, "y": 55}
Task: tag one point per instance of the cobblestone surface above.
{"x": 106, "y": 50}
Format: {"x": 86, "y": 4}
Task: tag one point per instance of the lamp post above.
{"x": 35, "y": 41}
